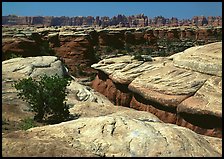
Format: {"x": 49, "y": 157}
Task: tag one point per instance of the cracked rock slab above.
{"x": 111, "y": 135}
{"x": 108, "y": 66}
{"x": 205, "y": 59}
{"x": 207, "y": 100}
{"x": 167, "y": 85}
{"x": 127, "y": 74}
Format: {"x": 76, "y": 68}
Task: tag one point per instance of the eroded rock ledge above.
{"x": 183, "y": 89}
{"x": 102, "y": 129}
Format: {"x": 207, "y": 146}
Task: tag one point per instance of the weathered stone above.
{"x": 207, "y": 100}
{"x": 93, "y": 109}
{"x": 77, "y": 53}
{"x": 18, "y": 68}
{"x": 111, "y": 135}
{"x": 110, "y": 65}
{"x": 205, "y": 59}
{"x": 181, "y": 96}
{"x": 116, "y": 93}
{"x": 34, "y": 66}
{"x": 128, "y": 73}
{"x": 168, "y": 85}
{"x": 78, "y": 92}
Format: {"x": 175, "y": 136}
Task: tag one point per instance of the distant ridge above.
{"x": 139, "y": 20}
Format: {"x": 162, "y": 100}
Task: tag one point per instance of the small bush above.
{"x": 46, "y": 97}
{"x": 27, "y": 123}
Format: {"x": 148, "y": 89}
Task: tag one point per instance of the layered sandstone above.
{"x": 110, "y": 135}
{"x": 177, "y": 90}
{"x": 100, "y": 129}
{"x": 80, "y": 47}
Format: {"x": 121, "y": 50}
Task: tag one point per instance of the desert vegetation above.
{"x": 46, "y": 97}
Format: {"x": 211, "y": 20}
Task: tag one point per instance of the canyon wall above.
{"x": 79, "y": 48}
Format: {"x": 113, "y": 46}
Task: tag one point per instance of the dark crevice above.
{"x": 102, "y": 76}
{"x": 204, "y": 121}
{"x": 122, "y": 87}
{"x": 157, "y": 105}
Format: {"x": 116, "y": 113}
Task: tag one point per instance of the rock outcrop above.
{"x": 80, "y": 47}
{"x": 102, "y": 129}
{"x": 183, "y": 89}
{"x": 110, "y": 135}
{"x": 24, "y": 47}
{"x": 33, "y": 66}
{"x": 205, "y": 59}
{"x": 18, "y": 68}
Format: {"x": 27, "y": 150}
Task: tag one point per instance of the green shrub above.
{"x": 27, "y": 123}
{"x": 46, "y": 96}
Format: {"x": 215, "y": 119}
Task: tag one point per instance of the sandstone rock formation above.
{"x": 18, "y": 68}
{"x": 77, "y": 53}
{"x": 110, "y": 135}
{"x": 79, "y": 47}
{"x": 14, "y": 109}
{"x": 205, "y": 59}
{"x": 33, "y": 66}
{"x": 102, "y": 129}
{"x": 183, "y": 89}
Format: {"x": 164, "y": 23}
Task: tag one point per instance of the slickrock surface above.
{"x": 110, "y": 135}
{"x": 33, "y": 66}
{"x": 185, "y": 86}
{"x": 125, "y": 69}
{"x": 80, "y": 93}
{"x": 205, "y": 59}
{"x": 168, "y": 85}
{"x": 102, "y": 129}
{"x": 18, "y": 68}
{"x": 207, "y": 100}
